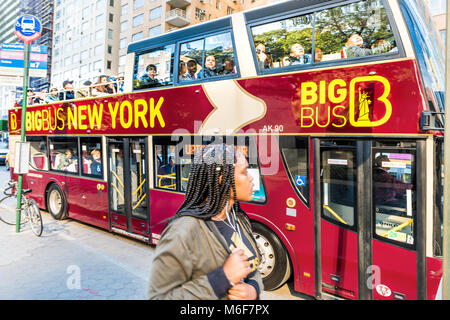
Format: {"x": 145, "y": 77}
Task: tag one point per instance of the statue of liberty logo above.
{"x": 364, "y": 104}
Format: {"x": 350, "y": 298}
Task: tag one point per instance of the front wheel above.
{"x": 56, "y": 202}
{"x": 275, "y": 268}
{"x": 34, "y": 217}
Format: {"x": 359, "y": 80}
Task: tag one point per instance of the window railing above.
{"x": 84, "y": 92}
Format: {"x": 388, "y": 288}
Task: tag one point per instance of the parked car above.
{"x": 4, "y": 150}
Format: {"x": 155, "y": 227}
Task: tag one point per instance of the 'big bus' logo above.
{"x": 368, "y": 104}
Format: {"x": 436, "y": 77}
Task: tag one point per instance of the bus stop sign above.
{"x": 28, "y": 28}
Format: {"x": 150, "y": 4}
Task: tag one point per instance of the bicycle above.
{"x": 30, "y": 212}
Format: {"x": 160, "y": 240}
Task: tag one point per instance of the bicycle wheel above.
{"x": 34, "y": 217}
{"x": 7, "y": 210}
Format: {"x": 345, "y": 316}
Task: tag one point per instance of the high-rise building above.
{"x": 43, "y": 10}
{"x": 85, "y": 40}
{"x": 10, "y": 10}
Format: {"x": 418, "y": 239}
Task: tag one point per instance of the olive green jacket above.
{"x": 189, "y": 254}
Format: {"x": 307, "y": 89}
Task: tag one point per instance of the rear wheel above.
{"x": 35, "y": 218}
{"x": 275, "y": 268}
{"x": 56, "y": 202}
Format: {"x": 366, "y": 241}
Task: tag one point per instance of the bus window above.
{"x": 191, "y": 55}
{"x": 284, "y": 43}
{"x": 38, "y": 152}
{"x": 353, "y": 30}
{"x": 207, "y": 58}
{"x": 394, "y": 195}
{"x": 91, "y": 156}
{"x": 154, "y": 68}
{"x": 338, "y": 185}
{"x": 64, "y": 154}
{"x": 295, "y": 154}
{"x": 165, "y": 171}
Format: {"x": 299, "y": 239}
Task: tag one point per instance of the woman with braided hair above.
{"x": 207, "y": 250}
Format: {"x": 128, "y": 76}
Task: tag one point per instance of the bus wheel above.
{"x": 275, "y": 268}
{"x": 56, "y": 202}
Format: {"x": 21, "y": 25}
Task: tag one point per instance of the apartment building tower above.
{"x": 85, "y": 40}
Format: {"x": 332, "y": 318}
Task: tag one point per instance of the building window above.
{"x": 155, "y": 13}
{"x": 123, "y": 43}
{"x": 437, "y": 7}
{"x": 124, "y": 9}
{"x": 230, "y": 10}
{"x": 99, "y": 35}
{"x": 122, "y": 60}
{"x": 100, "y": 19}
{"x": 138, "y": 4}
{"x": 108, "y": 64}
{"x": 98, "y": 65}
{"x": 155, "y": 31}
{"x": 138, "y": 20}
{"x": 111, "y": 3}
{"x": 137, "y": 36}
{"x": 111, "y": 17}
{"x": 200, "y": 14}
{"x": 109, "y": 49}
{"x": 110, "y": 34}
{"x": 123, "y": 26}
{"x": 217, "y": 4}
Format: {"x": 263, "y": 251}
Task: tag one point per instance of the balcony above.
{"x": 179, "y": 3}
{"x": 177, "y": 17}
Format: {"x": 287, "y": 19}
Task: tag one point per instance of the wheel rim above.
{"x": 55, "y": 202}
{"x": 267, "y": 264}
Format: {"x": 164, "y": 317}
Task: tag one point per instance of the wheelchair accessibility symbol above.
{"x": 300, "y": 180}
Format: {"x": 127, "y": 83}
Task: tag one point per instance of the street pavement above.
{"x": 75, "y": 261}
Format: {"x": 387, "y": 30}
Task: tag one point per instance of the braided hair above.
{"x": 211, "y": 179}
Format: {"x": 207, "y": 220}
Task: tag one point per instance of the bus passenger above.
{"x": 52, "y": 96}
{"x": 95, "y": 163}
{"x": 318, "y": 55}
{"x": 207, "y": 250}
{"x": 191, "y": 73}
{"x": 67, "y": 92}
{"x": 298, "y": 56}
{"x": 68, "y": 161}
{"x": 210, "y": 67}
{"x": 149, "y": 80}
{"x": 354, "y": 47}
{"x": 85, "y": 91}
{"x": 102, "y": 88}
{"x": 182, "y": 71}
{"x": 264, "y": 59}
{"x": 228, "y": 66}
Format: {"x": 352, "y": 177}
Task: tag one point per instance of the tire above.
{"x": 275, "y": 267}
{"x": 56, "y": 202}
{"x": 35, "y": 218}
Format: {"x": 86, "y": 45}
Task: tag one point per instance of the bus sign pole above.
{"x": 27, "y": 28}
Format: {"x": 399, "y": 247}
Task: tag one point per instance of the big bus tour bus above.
{"x": 338, "y": 107}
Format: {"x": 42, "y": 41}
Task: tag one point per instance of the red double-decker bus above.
{"x": 337, "y": 105}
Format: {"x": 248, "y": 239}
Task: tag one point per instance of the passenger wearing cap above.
{"x": 52, "y": 96}
{"x": 85, "y": 91}
{"x": 67, "y": 92}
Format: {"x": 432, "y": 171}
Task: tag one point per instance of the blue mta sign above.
{"x": 28, "y": 28}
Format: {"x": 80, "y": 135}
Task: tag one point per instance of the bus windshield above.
{"x": 429, "y": 57}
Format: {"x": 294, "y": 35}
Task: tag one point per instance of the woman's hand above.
{"x": 236, "y": 266}
{"x": 242, "y": 291}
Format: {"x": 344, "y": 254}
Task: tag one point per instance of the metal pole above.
{"x": 446, "y": 211}
{"x": 22, "y": 130}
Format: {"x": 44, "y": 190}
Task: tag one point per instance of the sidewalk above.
{"x": 75, "y": 261}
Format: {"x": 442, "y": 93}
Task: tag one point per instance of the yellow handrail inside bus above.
{"x": 334, "y": 214}
{"x": 139, "y": 202}
{"x": 118, "y": 192}
{"x": 401, "y": 226}
{"x": 138, "y": 188}
{"x": 118, "y": 179}
{"x": 166, "y": 176}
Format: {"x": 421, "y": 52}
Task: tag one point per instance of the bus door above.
{"x": 128, "y": 186}
{"x": 366, "y": 228}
